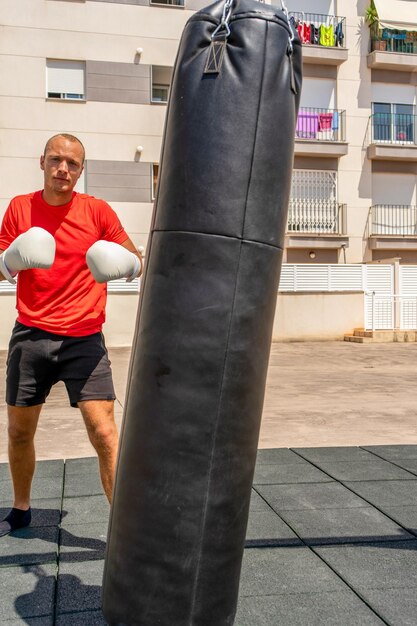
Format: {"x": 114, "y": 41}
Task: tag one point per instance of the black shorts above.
{"x": 38, "y": 359}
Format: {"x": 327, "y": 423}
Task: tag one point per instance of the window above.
{"x": 161, "y": 81}
{"x": 393, "y": 123}
{"x": 314, "y": 187}
{"x": 65, "y": 79}
{"x": 160, "y": 93}
{"x": 155, "y": 172}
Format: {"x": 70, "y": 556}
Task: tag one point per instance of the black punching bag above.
{"x": 200, "y": 354}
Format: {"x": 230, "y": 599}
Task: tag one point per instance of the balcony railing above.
{"x": 176, "y": 3}
{"x": 320, "y": 124}
{"x": 316, "y": 216}
{"x": 393, "y": 128}
{"x": 393, "y": 219}
{"x": 318, "y": 29}
{"x": 391, "y": 40}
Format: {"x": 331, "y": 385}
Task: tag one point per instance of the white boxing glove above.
{"x": 33, "y": 249}
{"x": 110, "y": 261}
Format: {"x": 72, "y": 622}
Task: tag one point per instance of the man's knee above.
{"x": 22, "y": 423}
{"x": 20, "y": 434}
{"x": 101, "y": 427}
{"x": 104, "y": 434}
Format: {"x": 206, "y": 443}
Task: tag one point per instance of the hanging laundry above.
{"x": 304, "y": 32}
{"x": 339, "y": 35}
{"x": 293, "y": 22}
{"x": 325, "y": 121}
{"x": 327, "y": 35}
{"x": 335, "y": 120}
{"x": 315, "y": 35}
{"x": 307, "y": 125}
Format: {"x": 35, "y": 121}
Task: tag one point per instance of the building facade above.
{"x": 101, "y": 69}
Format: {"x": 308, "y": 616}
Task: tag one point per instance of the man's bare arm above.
{"x": 1, "y": 275}
{"x": 129, "y": 245}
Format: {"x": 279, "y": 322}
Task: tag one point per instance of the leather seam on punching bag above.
{"x": 203, "y": 523}
{"x": 255, "y": 139}
{"x": 277, "y": 19}
{"x": 231, "y": 319}
{"x": 208, "y": 234}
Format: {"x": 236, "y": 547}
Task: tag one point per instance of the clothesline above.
{"x": 315, "y": 33}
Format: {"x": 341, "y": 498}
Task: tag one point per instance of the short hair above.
{"x": 67, "y": 136}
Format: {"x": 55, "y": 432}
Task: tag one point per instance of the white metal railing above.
{"x": 390, "y": 312}
{"x": 391, "y": 219}
{"x": 316, "y": 216}
{"x": 177, "y": 3}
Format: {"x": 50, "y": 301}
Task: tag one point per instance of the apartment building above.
{"x": 101, "y": 69}
{"x": 354, "y": 187}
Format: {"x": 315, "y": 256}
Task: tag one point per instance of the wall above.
{"x": 299, "y": 316}
{"x": 120, "y": 322}
{"x": 8, "y": 317}
{"x": 319, "y": 316}
{"x": 354, "y": 96}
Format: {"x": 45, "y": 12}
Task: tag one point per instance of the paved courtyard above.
{"x": 317, "y": 394}
{"x": 332, "y": 534}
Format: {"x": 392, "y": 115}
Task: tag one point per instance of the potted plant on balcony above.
{"x": 371, "y": 17}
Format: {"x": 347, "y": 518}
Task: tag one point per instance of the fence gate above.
{"x": 408, "y": 299}
{"x": 379, "y": 301}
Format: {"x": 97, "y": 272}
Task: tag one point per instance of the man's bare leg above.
{"x": 98, "y": 416}
{"x": 22, "y": 428}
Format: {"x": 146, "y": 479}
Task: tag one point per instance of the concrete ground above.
{"x": 317, "y": 394}
{"x": 332, "y": 534}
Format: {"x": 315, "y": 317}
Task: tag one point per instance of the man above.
{"x": 65, "y": 247}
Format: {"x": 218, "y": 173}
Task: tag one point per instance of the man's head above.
{"x": 62, "y": 163}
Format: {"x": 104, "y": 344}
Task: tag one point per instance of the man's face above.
{"x": 62, "y": 165}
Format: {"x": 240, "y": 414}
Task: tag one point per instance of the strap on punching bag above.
{"x": 219, "y": 39}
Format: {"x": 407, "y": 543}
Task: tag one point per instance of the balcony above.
{"x": 392, "y": 136}
{"x": 393, "y": 50}
{"x": 320, "y": 132}
{"x": 393, "y": 226}
{"x": 323, "y": 37}
{"x": 316, "y": 223}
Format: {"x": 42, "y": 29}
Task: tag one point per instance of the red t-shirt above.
{"x": 65, "y": 299}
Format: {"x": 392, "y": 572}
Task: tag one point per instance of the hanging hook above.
{"x": 291, "y": 36}
{"x": 224, "y": 23}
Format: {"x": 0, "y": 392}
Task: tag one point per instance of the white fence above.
{"x": 342, "y": 277}
{"x": 115, "y": 286}
{"x": 389, "y": 312}
{"x": 390, "y": 300}
{"x": 376, "y": 281}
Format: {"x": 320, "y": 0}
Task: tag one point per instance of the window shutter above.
{"x": 65, "y": 77}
